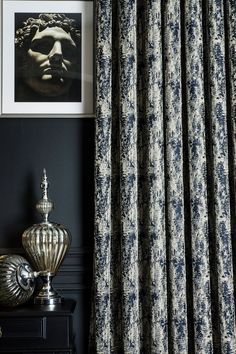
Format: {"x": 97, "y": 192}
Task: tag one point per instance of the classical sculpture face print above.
{"x": 52, "y": 58}
{"x": 48, "y": 59}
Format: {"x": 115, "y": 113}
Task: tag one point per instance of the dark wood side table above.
{"x": 37, "y": 329}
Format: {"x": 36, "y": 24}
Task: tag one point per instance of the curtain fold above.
{"x": 197, "y": 165}
{"x": 164, "y": 245}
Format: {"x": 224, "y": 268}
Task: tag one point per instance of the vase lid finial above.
{"x": 44, "y": 205}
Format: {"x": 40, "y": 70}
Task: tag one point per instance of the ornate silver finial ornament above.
{"x": 46, "y": 244}
{"x": 44, "y": 205}
{"x": 17, "y": 280}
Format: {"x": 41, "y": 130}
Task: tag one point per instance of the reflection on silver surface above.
{"x": 17, "y": 280}
{"x": 46, "y": 244}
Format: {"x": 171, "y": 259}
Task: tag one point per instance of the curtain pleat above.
{"x": 198, "y": 177}
{"x": 219, "y": 134}
{"x": 128, "y": 175}
{"x": 164, "y": 245}
{"x": 151, "y": 184}
{"x": 178, "y": 338}
{"x": 102, "y": 247}
{"x": 231, "y": 110}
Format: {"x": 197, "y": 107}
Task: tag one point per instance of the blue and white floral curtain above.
{"x": 165, "y": 219}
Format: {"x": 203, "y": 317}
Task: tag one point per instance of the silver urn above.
{"x": 17, "y": 280}
{"x": 46, "y": 244}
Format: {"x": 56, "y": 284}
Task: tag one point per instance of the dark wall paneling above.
{"x": 65, "y": 147}
{"x": 75, "y": 272}
{"x": 74, "y": 281}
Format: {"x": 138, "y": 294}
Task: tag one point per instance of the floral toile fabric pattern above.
{"x": 165, "y": 213}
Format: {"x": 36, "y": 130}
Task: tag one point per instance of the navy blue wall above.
{"x": 65, "y": 147}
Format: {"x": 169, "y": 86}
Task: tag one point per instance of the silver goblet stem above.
{"x": 47, "y": 295}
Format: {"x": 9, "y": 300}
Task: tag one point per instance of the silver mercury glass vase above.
{"x": 46, "y": 245}
{"x": 17, "y": 280}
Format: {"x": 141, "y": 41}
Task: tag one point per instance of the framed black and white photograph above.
{"x": 47, "y": 58}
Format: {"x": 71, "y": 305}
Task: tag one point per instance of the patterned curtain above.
{"x": 165, "y": 218}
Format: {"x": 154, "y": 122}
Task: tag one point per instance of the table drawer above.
{"x": 22, "y": 328}
{"x": 34, "y": 332}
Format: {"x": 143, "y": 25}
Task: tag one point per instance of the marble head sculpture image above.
{"x": 47, "y": 58}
